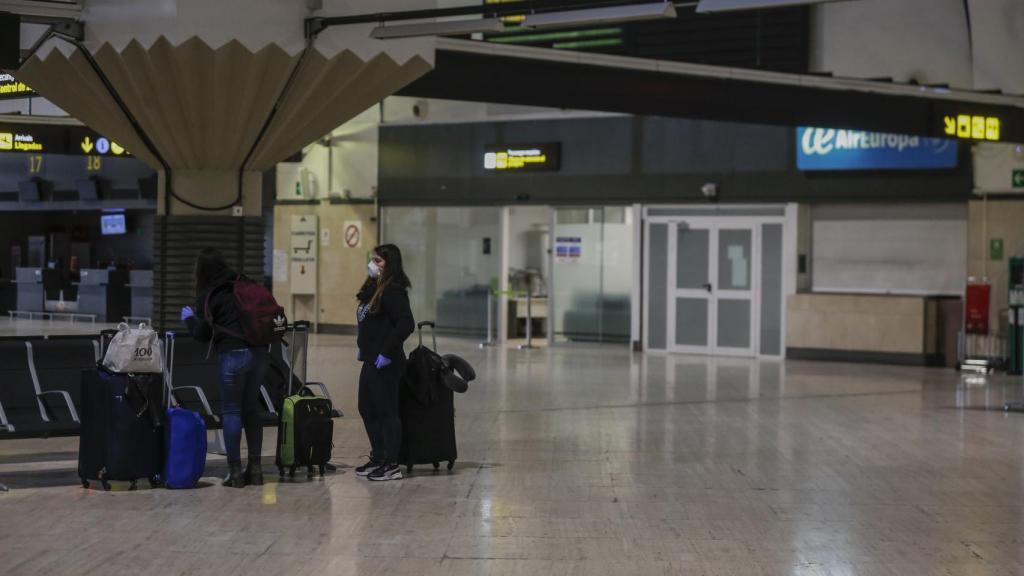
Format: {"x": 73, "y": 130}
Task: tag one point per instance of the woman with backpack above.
{"x": 385, "y": 321}
{"x": 215, "y": 318}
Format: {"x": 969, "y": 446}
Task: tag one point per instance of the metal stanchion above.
{"x": 490, "y": 312}
{"x": 1017, "y": 406}
{"x": 529, "y": 322}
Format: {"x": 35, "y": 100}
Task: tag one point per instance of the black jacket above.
{"x": 225, "y": 315}
{"x": 385, "y": 331}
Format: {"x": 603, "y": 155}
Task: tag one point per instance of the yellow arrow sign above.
{"x": 116, "y": 148}
{"x": 950, "y": 122}
{"x": 87, "y": 145}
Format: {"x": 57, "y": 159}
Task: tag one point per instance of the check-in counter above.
{"x": 104, "y": 293}
{"x": 881, "y": 328}
{"x": 30, "y": 289}
{"x": 141, "y": 284}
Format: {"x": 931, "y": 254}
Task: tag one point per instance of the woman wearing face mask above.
{"x": 385, "y": 321}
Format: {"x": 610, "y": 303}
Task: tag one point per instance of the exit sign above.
{"x": 1018, "y": 178}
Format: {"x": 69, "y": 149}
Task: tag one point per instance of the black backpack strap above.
{"x": 208, "y": 314}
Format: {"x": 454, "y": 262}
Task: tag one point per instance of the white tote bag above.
{"x": 134, "y": 350}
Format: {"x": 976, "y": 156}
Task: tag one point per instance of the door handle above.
{"x": 708, "y": 287}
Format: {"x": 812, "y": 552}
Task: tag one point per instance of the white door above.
{"x": 712, "y": 283}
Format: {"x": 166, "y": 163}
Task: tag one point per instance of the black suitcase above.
{"x": 121, "y": 434}
{"x": 427, "y": 408}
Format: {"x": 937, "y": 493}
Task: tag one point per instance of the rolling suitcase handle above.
{"x": 433, "y": 331}
{"x": 105, "y": 337}
{"x": 169, "y": 337}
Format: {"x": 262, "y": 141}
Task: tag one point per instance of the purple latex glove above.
{"x": 382, "y": 362}
{"x": 187, "y": 313}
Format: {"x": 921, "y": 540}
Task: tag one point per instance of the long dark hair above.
{"x": 209, "y": 265}
{"x": 393, "y": 273}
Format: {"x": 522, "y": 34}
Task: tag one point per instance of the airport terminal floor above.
{"x": 587, "y": 460}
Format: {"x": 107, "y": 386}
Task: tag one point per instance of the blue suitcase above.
{"x": 185, "y": 442}
{"x": 184, "y": 436}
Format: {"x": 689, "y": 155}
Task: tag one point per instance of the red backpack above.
{"x": 262, "y": 319}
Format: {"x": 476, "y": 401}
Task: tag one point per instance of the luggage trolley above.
{"x": 295, "y": 353}
{"x": 293, "y": 350}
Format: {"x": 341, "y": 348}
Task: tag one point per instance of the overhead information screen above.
{"x": 50, "y": 139}
{"x": 525, "y": 158}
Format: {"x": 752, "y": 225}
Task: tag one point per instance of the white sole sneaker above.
{"x": 395, "y": 475}
{"x": 365, "y": 473}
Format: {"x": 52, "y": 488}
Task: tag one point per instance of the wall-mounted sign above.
{"x": 995, "y": 249}
{"x": 11, "y": 88}
{"x": 973, "y": 127}
{"x": 353, "y": 231}
{"x": 833, "y": 149}
{"x": 568, "y": 249}
{"x": 303, "y": 254}
{"x": 1018, "y": 179}
{"x": 527, "y": 158}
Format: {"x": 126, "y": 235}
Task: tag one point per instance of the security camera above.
{"x": 709, "y": 190}
{"x": 420, "y": 109}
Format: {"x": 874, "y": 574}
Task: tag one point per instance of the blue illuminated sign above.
{"x": 832, "y": 149}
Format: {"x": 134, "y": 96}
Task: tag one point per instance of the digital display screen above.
{"x": 531, "y": 158}
{"x": 112, "y": 224}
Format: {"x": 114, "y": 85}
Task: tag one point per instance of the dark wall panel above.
{"x": 636, "y": 159}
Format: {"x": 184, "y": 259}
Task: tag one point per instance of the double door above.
{"x": 713, "y": 287}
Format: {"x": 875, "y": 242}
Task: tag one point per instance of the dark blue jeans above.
{"x": 241, "y": 374}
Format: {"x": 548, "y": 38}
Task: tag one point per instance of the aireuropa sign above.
{"x": 834, "y": 149}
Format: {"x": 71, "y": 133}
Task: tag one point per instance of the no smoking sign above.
{"x": 352, "y": 233}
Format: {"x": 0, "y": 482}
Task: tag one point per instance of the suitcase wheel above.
{"x": 154, "y": 482}
{"x": 85, "y": 483}
{"x": 451, "y": 464}
{"x": 437, "y": 465}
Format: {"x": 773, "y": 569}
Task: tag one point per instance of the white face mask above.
{"x": 373, "y": 269}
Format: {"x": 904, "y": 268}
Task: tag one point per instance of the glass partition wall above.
{"x": 576, "y": 263}
{"x": 453, "y": 257}
{"x": 592, "y": 274}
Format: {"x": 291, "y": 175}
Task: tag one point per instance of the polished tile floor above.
{"x": 589, "y": 461}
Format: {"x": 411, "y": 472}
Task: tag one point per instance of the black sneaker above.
{"x": 365, "y": 469}
{"x": 386, "y": 472}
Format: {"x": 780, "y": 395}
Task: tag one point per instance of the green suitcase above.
{"x": 305, "y": 434}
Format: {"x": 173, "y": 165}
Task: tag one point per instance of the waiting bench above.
{"x": 40, "y": 384}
